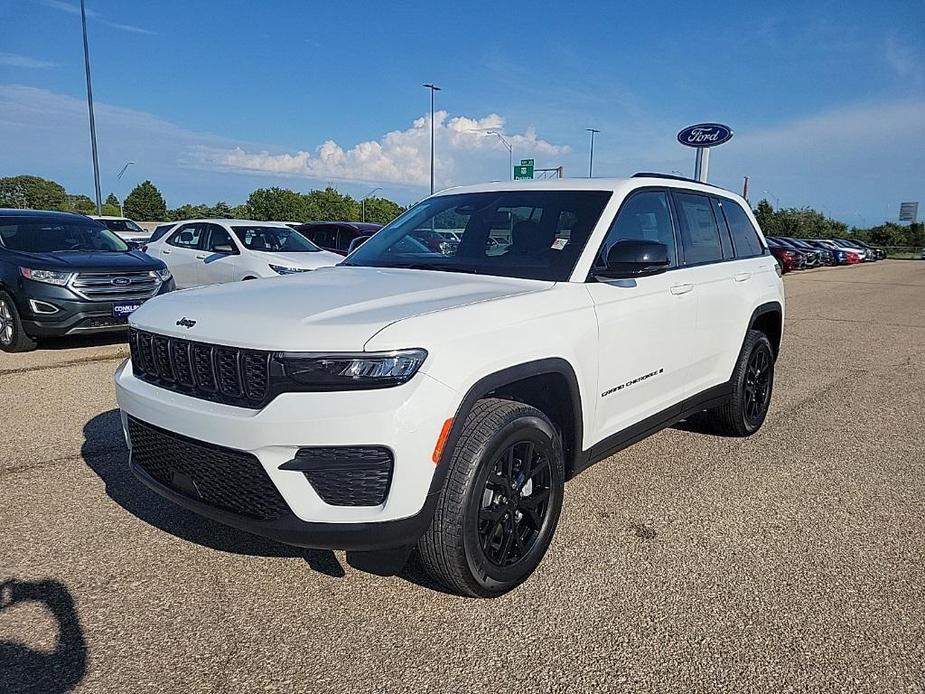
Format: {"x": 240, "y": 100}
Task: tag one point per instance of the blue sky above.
{"x": 211, "y": 100}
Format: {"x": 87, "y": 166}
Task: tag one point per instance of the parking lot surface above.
{"x": 792, "y": 560}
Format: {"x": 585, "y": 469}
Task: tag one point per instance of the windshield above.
{"x": 274, "y": 239}
{"x": 122, "y": 225}
{"x": 52, "y": 235}
{"x": 535, "y": 234}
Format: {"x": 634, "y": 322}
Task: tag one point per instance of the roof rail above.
{"x": 649, "y": 174}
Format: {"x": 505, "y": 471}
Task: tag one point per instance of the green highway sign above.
{"x": 524, "y": 172}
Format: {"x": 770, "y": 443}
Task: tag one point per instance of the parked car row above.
{"x": 803, "y": 254}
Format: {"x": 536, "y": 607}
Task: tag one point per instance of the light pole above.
{"x": 591, "y": 158}
{"x": 96, "y": 161}
{"x": 776, "y": 199}
{"x": 433, "y": 88}
{"x": 119, "y": 178}
{"x": 510, "y": 151}
{"x": 363, "y": 201}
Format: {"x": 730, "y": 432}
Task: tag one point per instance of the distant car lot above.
{"x": 687, "y": 562}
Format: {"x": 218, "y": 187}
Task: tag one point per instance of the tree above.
{"x": 146, "y": 203}
{"x": 381, "y": 210}
{"x": 222, "y": 210}
{"x": 189, "y": 212}
{"x": 764, "y": 213}
{"x": 277, "y": 204}
{"x": 328, "y": 204}
{"x": 32, "y": 193}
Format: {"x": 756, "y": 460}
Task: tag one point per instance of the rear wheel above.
{"x": 500, "y": 503}
{"x": 12, "y": 336}
{"x": 753, "y": 381}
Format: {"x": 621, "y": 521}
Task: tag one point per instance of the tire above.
{"x": 753, "y": 382}
{"x": 483, "y": 541}
{"x": 12, "y": 336}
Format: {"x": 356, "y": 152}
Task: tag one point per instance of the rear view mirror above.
{"x": 356, "y": 243}
{"x": 634, "y": 258}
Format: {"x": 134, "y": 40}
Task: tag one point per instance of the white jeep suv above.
{"x": 415, "y": 398}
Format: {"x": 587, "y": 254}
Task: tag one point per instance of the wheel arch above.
{"x": 769, "y": 319}
{"x": 548, "y": 384}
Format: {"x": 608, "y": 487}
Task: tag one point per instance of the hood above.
{"x": 330, "y": 309}
{"x": 308, "y": 260}
{"x": 88, "y": 260}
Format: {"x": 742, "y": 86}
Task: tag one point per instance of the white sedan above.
{"x": 124, "y": 228}
{"x": 213, "y": 251}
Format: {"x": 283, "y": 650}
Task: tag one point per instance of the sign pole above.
{"x": 702, "y": 164}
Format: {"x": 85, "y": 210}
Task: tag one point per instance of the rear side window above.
{"x": 699, "y": 231}
{"x": 744, "y": 237}
{"x": 645, "y": 217}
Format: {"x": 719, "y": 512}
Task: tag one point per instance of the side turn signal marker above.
{"x": 441, "y": 440}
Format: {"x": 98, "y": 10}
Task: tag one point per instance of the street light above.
{"x": 363, "y": 201}
{"x": 591, "y": 158}
{"x": 119, "y": 178}
{"x": 96, "y": 161}
{"x": 510, "y": 150}
{"x": 776, "y": 199}
{"x": 433, "y": 88}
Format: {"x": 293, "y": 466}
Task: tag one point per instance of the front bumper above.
{"x": 74, "y": 315}
{"x": 406, "y": 419}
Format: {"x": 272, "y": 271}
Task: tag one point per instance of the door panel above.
{"x": 179, "y": 253}
{"x": 215, "y": 267}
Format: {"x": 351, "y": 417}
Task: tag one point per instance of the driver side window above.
{"x": 187, "y": 236}
{"x": 646, "y": 216}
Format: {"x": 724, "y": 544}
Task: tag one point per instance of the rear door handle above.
{"x": 681, "y": 288}
{"x": 743, "y": 277}
{"x": 165, "y": 252}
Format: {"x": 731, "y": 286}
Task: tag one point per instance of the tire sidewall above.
{"x": 492, "y": 578}
{"x": 759, "y": 342}
{"x": 16, "y": 344}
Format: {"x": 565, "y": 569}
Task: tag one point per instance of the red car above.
{"x": 788, "y": 258}
{"x": 336, "y": 236}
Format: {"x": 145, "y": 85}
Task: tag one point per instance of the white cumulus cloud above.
{"x": 399, "y": 156}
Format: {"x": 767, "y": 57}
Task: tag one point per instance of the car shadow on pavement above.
{"x": 25, "y": 668}
{"x": 105, "y": 452}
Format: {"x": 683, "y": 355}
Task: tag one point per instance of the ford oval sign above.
{"x": 705, "y": 135}
{"x": 120, "y": 281}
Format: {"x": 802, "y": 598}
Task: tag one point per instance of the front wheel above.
{"x": 500, "y": 502}
{"x": 753, "y": 381}
{"x": 12, "y": 336}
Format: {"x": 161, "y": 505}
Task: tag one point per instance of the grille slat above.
{"x": 98, "y": 286}
{"x": 211, "y": 372}
{"x": 222, "y": 477}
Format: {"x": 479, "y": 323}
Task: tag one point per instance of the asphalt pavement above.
{"x": 792, "y": 560}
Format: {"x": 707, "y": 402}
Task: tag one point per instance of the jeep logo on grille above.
{"x": 186, "y": 322}
{"x": 120, "y": 281}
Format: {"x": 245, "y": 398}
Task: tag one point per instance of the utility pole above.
{"x": 510, "y": 151}
{"x": 119, "y": 178}
{"x": 363, "y": 201}
{"x": 96, "y": 161}
{"x": 591, "y": 158}
{"x": 433, "y": 88}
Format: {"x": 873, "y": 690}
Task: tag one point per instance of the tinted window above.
{"x": 699, "y": 231}
{"x": 325, "y": 236}
{"x": 273, "y": 239}
{"x": 52, "y": 235}
{"x": 533, "y": 234}
{"x": 160, "y": 231}
{"x": 219, "y": 236}
{"x": 645, "y": 216}
{"x": 344, "y": 237}
{"x": 187, "y": 236}
{"x": 744, "y": 237}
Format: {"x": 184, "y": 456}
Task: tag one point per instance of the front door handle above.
{"x": 743, "y": 277}
{"x": 165, "y": 252}
{"x": 200, "y": 257}
{"x": 681, "y": 288}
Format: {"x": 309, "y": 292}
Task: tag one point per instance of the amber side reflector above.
{"x": 441, "y": 440}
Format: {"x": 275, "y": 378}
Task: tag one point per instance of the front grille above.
{"x": 115, "y": 286}
{"x": 225, "y": 478}
{"x": 346, "y": 476}
{"x": 222, "y": 374}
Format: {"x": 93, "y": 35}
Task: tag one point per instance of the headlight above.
{"x": 47, "y": 276}
{"x": 163, "y": 274}
{"x": 283, "y": 270}
{"x": 346, "y": 371}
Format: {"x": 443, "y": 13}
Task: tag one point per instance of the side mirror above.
{"x": 356, "y": 243}
{"x": 223, "y": 248}
{"x": 634, "y": 258}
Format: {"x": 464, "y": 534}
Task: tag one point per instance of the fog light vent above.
{"x": 43, "y": 307}
{"x": 346, "y": 476}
